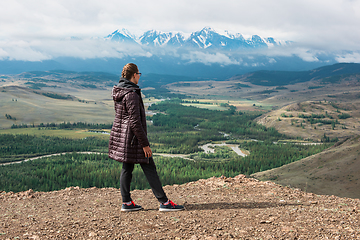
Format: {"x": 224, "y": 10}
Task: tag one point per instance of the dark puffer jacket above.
{"x": 129, "y": 134}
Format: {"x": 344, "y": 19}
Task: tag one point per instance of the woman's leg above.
{"x": 154, "y": 181}
{"x": 125, "y": 181}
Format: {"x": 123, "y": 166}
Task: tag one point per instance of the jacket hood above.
{"x": 125, "y": 83}
{"x": 123, "y": 88}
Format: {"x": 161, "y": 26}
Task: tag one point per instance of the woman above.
{"x": 129, "y": 143}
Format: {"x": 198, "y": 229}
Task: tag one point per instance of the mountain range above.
{"x": 206, "y": 38}
{"x": 205, "y": 53}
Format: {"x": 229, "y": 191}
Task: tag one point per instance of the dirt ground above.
{"x": 216, "y": 208}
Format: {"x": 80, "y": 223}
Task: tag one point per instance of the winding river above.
{"x": 235, "y": 148}
{"x": 207, "y": 149}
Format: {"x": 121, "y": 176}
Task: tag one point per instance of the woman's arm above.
{"x": 132, "y": 104}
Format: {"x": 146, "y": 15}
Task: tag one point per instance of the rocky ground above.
{"x": 216, "y": 208}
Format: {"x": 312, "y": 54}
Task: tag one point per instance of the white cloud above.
{"x": 306, "y": 55}
{"x": 21, "y": 50}
{"x": 272, "y": 60}
{"x": 349, "y": 57}
{"x": 208, "y": 58}
{"x": 81, "y": 48}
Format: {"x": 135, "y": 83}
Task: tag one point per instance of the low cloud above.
{"x": 209, "y": 58}
{"x": 92, "y": 48}
{"x": 78, "y": 48}
{"x": 349, "y": 57}
{"x": 306, "y": 54}
{"x": 22, "y": 51}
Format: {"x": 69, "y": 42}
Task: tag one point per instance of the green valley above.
{"x": 276, "y": 118}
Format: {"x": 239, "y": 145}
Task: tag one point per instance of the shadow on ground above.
{"x": 225, "y": 205}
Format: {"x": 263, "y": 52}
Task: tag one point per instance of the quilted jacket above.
{"x": 128, "y": 134}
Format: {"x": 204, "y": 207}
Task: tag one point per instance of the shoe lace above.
{"x": 132, "y": 203}
{"x": 172, "y": 203}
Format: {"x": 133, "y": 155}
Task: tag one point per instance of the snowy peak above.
{"x": 206, "y": 38}
{"x": 177, "y": 40}
{"x": 257, "y": 41}
{"x": 121, "y": 36}
{"x": 154, "y": 38}
{"x": 236, "y": 36}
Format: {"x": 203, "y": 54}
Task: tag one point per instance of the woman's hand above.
{"x": 147, "y": 151}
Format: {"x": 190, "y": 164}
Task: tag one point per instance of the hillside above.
{"x": 216, "y": 208}
{"x": 328, "y": 74}
{"x": 29, "y": 106}
{"x": 333, "y": 171}
{"x": 56, "y": 96}
{"x": 313, "y": 119}
{"x": 271, "y": 90}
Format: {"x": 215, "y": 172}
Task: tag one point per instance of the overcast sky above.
{"x": 31, "y": 29}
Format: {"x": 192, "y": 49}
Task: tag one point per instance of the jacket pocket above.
{"x": 133, "y": 141}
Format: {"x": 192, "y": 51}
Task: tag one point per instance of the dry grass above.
{"x": 295, "y": 126}
{"x": 29, "y": 107}
{"x": 267, "y": 96}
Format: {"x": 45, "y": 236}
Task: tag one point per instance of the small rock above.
{"x": 265, "y": 221}
{"x": 211, "y": 238}
{"x": 194, "y": 237}
{"x": 34, "y": 237}
{"x": 240, "y": 176}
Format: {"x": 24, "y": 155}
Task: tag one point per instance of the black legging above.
{"x": 151, "y": 175}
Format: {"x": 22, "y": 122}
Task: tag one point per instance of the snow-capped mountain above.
{"x": 121, "y": 36}
{"x": 207, "y": 38}
{"x": 155, "y": 38}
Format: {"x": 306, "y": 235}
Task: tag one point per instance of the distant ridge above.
{"x": 331, "y": 73}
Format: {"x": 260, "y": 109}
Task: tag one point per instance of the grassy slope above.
{"x": 329, "y": 73}
{"x": 295, "y": 126}
{"x": 30, "y": 107}
{"x": 332, "y": 172}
